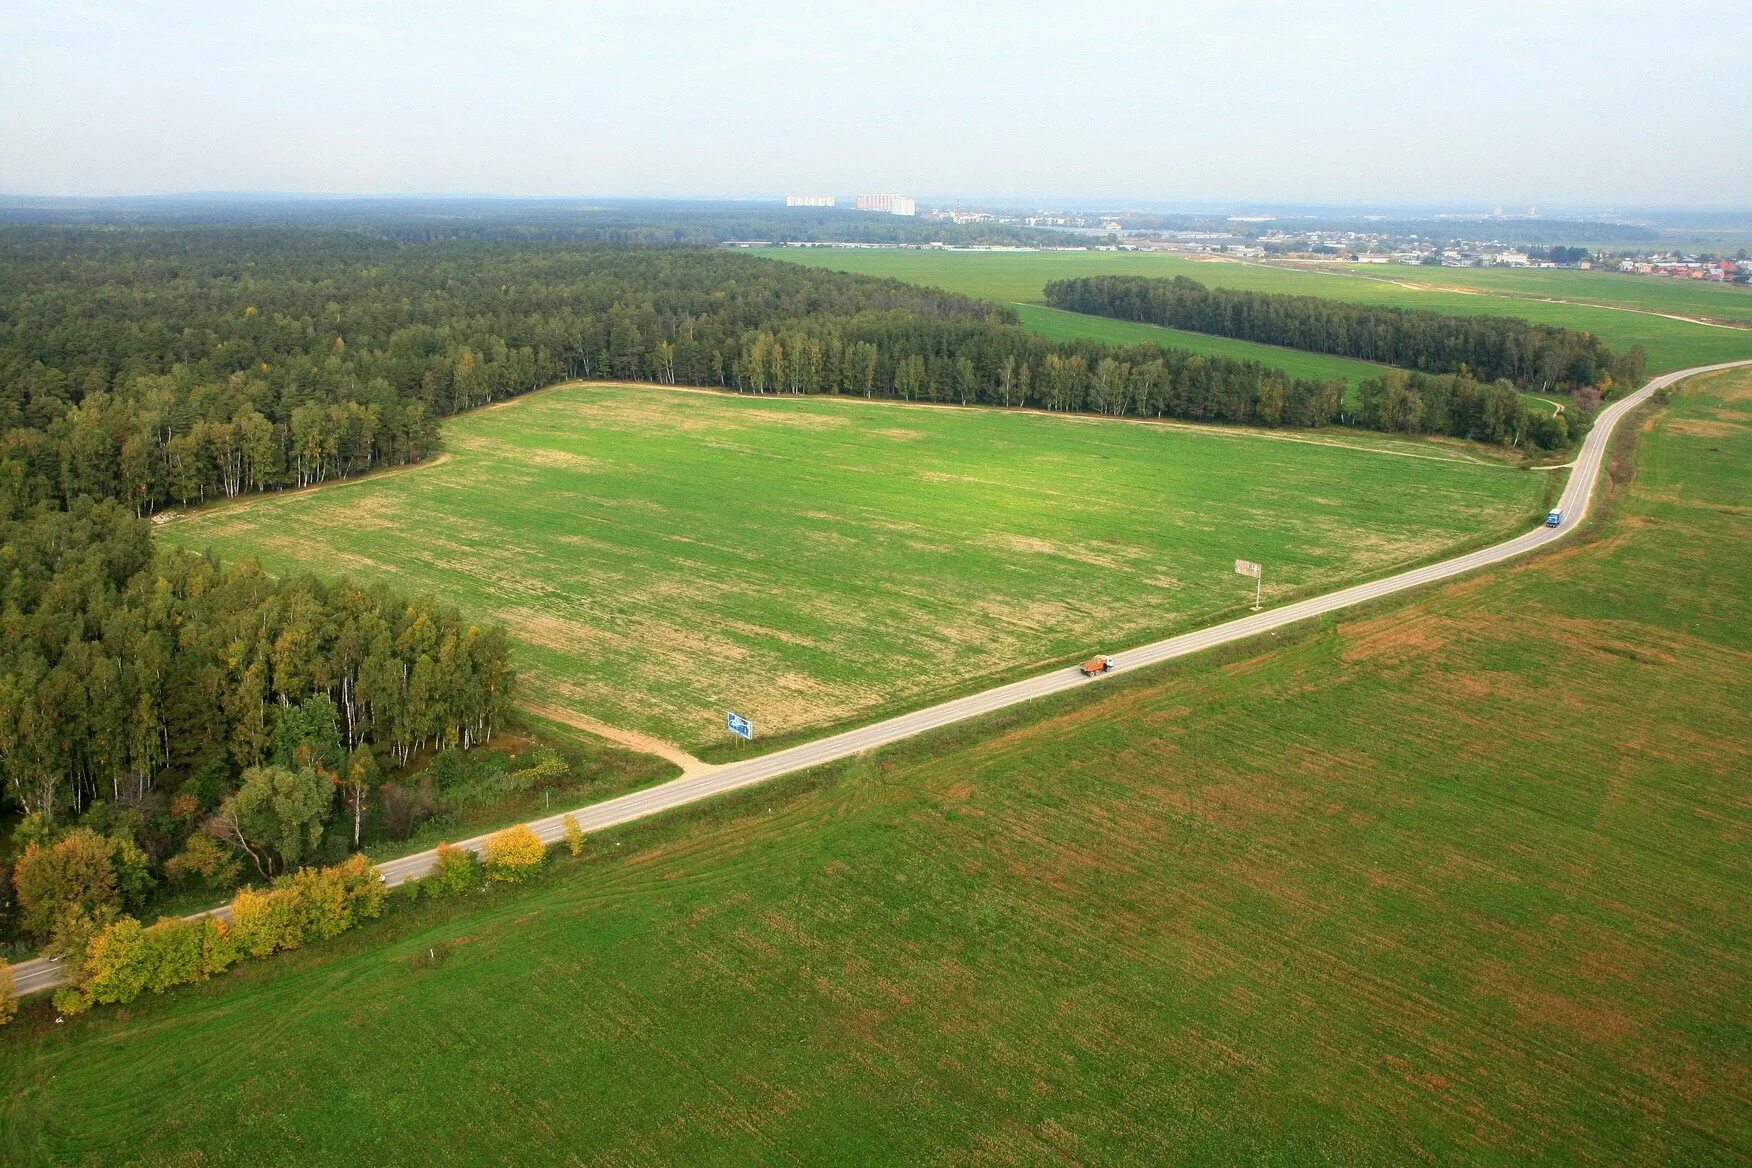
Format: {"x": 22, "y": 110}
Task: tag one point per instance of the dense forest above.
{"x": 165, "y": 367}
{"x": 116, "y": 664}
{"x": 188, "y": 715}
{"x": 1487, "y": 348}
{"x": 611, "y": 221}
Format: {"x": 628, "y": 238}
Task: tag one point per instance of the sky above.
{"x": 1594, "y": 105}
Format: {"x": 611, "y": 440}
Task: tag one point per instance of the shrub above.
{"x": 204, "y": 861}
{"x": 574, "y": 835}
{"x": 220, "y": 949}
{"x": 365, "y": 892}
{"x": 75, "y": 875}
{"x": 514, "y": 853}
{"x": 547, "y": 768}
{"x": 185, "y": 808}
{"x": 403, "y": 808}
{"x": 265, "y": 921}
{"x": 174, "y": 953}
{"x": 462, "y": 778}
{"x": 328, "y": 901}
{"x": 319, "y": 903}
{"x": 115, "y": 962}
{"x": 119, "y": 961}
{"x": 8, "y": 995}
{"x": 122, "y": 960}
{"x": 454, "y": 871}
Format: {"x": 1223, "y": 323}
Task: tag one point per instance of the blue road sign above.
{"x": 739, "y": 726}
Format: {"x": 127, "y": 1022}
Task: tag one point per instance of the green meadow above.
{"x": 1727, "y": 302}
{"x": 1020, "y": 277}
{"x": 661, "y": 556}
{"x": 1059, "y": 325}
{"x": 1459, "y": 880}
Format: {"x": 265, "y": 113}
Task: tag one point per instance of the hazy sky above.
{"x": 1589, "y": 104}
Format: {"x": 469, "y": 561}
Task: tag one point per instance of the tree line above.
{"x": 108, "y": 956}
{"x": 1486, "y": 348}
{"x": 1404, "y": 402}
{"x": 166, "y": 367}
{"x": 622, "y": 222}
{"x": 967, "y": 365}
{"x": 975, "y": 363}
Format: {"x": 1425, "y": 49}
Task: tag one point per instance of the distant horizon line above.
{"x": 1482, "y": 208}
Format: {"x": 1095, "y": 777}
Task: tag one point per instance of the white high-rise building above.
{"x": 808, "y": 200}
{"x": 890, "y": 204}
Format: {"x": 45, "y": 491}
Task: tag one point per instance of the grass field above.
{"x": 1057, "y": 325}
{"x": 1020, "y": 278}
{"x": 1463, "y": 880}
{"x": 663, "y": 556}
{"x": 1729, "y": 302}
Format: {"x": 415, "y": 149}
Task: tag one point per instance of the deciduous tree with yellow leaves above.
{"x": 514, "y": 853}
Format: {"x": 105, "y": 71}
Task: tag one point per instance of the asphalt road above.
{"x": 43, "y": 973}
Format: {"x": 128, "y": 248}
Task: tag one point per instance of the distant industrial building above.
{"x": 808, "y": 200}
{"x": 889, "y": 204}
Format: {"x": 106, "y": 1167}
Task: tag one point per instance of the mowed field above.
{"x": 662, "y": 556}
{"x": 1021, "y": 277}
{"x": 1699, "y": 298}
{"x": 1059, "y": 325}
{"x": 1462, "y": 880}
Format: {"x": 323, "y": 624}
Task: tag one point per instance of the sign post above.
{"x": 1257, "y": 571}
{"x": 739, "y": 726}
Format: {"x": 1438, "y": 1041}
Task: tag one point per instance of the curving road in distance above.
{"x": 44, "y": 973}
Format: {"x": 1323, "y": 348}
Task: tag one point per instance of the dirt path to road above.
{"x": 631, "y": 739}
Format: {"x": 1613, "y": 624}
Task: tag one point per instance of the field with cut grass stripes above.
{"x": 1461, "y": 880}
{"x": 662, "y": 556}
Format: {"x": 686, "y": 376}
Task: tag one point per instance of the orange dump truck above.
{"x": 1096, "y": 665}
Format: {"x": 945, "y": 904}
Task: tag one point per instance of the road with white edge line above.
{"x": 44, "y": 973}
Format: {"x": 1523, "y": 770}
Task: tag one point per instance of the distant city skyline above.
{"x": 1476, "y": 104}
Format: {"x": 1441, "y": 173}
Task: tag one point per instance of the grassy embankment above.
{"x": 1458, "y": 880}
{"x": 1020, "y": 277}
{"x": 663, "y": 556}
